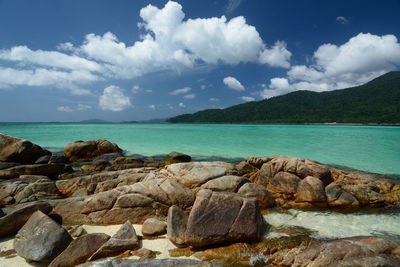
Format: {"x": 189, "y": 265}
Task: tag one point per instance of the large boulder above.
{"x": 340, "y": 199}
{"x": 90, "y": 149}
{"x": 50, "y": 170}
{"x": 80, "y": 250}
{"x": 241, "y": 220}
{"x": 297, "y": 166}
{"x": 284, "y": 183}
{"x": 41, "y": 238}
{"x": 265, "y": 199}
{"x": 229, "y": 183}
{"x": 16, "y": 218}
{"x": 13, "y": 149}
{"x": 177, "y": 157}
{"x": 193, "y": 174}
{"x": 176, "y": 225}
{"x": 333, "y": 252}
{"x": 310, "y": 189}
{"x": 124, "y": 239}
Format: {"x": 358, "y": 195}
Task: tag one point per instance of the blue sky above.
{"x": 138, "y": 60}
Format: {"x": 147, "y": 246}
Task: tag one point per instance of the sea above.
{"x": 374, "y": 149}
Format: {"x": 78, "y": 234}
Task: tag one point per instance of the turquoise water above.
{"x": 369, "y": 148}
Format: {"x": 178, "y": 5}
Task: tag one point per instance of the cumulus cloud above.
{"x": 247, "y": 98}
{"x": 182, "y": 105}
{"x": 135, "y": 89}
{"x": 152, "y": 106}
{"x": 65, "y": 109}
{"x": 180, "y": 91}
{"x": 213, "y": 99}
{"x": 276, "y": 56}
{"x": 83, "y": 107}
{"x": 359, "y": 60}
{"x": 233, "y": 83}
{"x": 189, "y": 96}
{"x": 341, "y": 20}
{"x": 113, "y": 99}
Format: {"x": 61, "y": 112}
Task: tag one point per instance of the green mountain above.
{"x": 377, "y": 101}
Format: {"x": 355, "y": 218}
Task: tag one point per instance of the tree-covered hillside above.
{"x": 377, "y": 101}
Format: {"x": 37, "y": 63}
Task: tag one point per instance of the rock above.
{"x": 6, "y": 165}
{"x": 50, "y": 170}
{"x": 148, "y": 263}
{"x": 80, "y": 250}
{"x": 13, "y": 149}
{"x": 343, "y": 249}
{"x": 284, "y": 183}
{"x": 76, "y": 231}
{"x": 297, "y": 166}
{"x": 226, "y": 183}
{"x": 16, "y": 218}
{"x": 176, "y": 225}
{"x": 339, "y": 198}
{"x": 124, "y": 239}
{"x": 122, "y": 163}
{"x": 2, "y": 214}
{"x": 178, "y": 157}
{"x": 154, "y": 227}
{"x": 265, "y": 199}
{"x": 366, "y": 194}
{"x": 193, "y": 174}
{"x": 145, "y": 253}
{"x": 241, "y": 220}
{"x": 310, "y": 189}
{"x": 372, "y": 261}
{"x": 106, "y": 157}
{"x": 90, "y": 149}
{"x": 59, "y": 159}
{"x": 41, "y": 238}
{"x": 43, "y": 159}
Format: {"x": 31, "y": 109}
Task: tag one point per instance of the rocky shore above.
{"x": 171, "y": 211}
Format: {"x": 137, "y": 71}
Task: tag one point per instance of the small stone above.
{"x": 145, "y": 253}
{"x": 154, "y": 227}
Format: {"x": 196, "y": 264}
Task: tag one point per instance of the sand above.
{"x": 161, "y": 244}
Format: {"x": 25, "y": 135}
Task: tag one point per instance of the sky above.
{"x": 136, "y": 60}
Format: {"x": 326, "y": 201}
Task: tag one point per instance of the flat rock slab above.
{"x": 80, "y": 250}
{"x": 50, "y": 170}
{"x": 41, "y": 238}
{"x": 148, "y": 263}
{"x": 15, "y": 219}
{"x": 154, "y": 227}
{"x": 193, "y": 174}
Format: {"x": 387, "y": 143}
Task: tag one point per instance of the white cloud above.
{"x": 189, "y": 96}
{"x": 135, "y": 89}
{"x": 83, "y": 107}
{"x": 182, "y": 105}
{"x": 233, "y": 83}
{"x": 180, "y": 91}
{"x": 359, "y": 60}
{"x": 64, "y": 109}
{"x": 169, "y": 42}
{"x": 213, "y": 99}
{"x": 232, "y": 5}
{"x": 342, "y": 20}
{"x": 148, "y": 91}
{"x": 152, "y": 106}
{"x": 277, "y": 56}
{"x": 247, "y": 98}
{"x": 113, "y": 99}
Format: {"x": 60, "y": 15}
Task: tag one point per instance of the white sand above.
{"x": 162, "y": 245}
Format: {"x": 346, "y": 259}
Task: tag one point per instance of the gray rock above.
{"x": 176, "y": 225}
{"x": 59, "y": 159}
{"x": 229, "y": 183}
{"x": 43, "y": 159}
{"x": 154, "y": 227}
{"x": 41, "y": 238}
{"x": 2, "y": 214}
{"x": 125, "y": 239}
{"x": 6, "y": 165}
{"x": 372, "y": 261}
{"x": 265, "y": 199}
{"x": 17, "y": 217}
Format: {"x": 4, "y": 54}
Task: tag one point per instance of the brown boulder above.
{"x": 16, "y": 218}
{"x": 241, "y": 220}
{"x": 176, "y": 225}
{"x": 284, "y": 183}
{"x": 229, "y": 183}
{"x": 178, "y": 157}
{"x": 265, "y": 199}
{"x": 80, "y": 250}
{"x": 340, "y": 199}
{"x": 13, "y": 149}
{"x": 124, "y": 239}
{"x": 310, "y": 189}
{"x": 41, "y": 238}
{"x": 90, "y": 149}
{"x": 50, "y": 170}
{"x": 154, "y": 227}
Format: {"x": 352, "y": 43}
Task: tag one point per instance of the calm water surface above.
{"x": 368, "y": 148}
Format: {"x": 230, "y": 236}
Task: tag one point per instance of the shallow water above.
{"x": 329, "y": 225}
{"x": 368, "y": 148}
